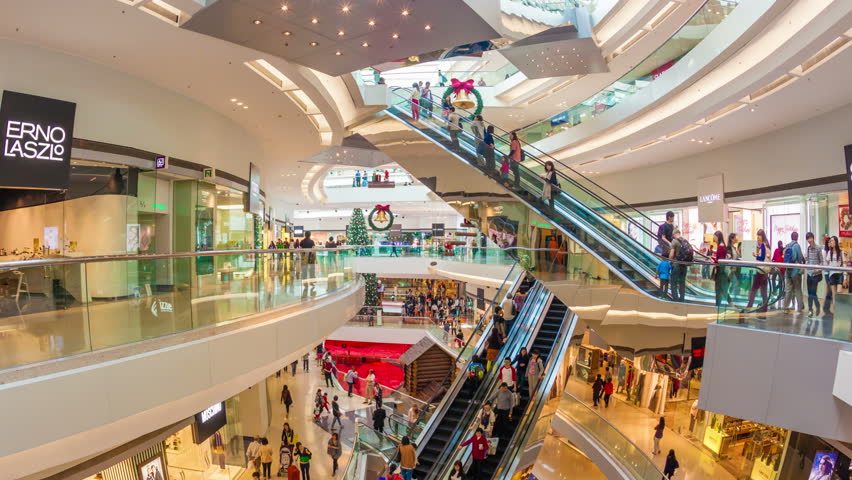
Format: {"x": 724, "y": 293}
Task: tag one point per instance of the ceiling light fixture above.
{"x": 240, "y": 103}
{"x": 233, "y": 100}
{"x": 428, "y": 27}
{"x": 365, "y": 44}
{"x": 287, "y": 33}
{"x": 285, "y": 8}
{"x": 345, "y": 9}
{"x": 315, "y": 20}
{"x": 256, "y": 21}
{"x": 395, "y": 36}
{"x": 405, "y": 13}
{"x": 313, "y": 44}
{"x": 340, "y": 33}
{"x": 338, "y": 53}
{"x": 245, "y": 106}
{"x": 371, "y": 23}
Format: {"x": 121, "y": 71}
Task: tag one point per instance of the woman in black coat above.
{"x": 671, "y": 465}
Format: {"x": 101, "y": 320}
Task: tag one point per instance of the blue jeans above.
{"x": 406, "y": 473}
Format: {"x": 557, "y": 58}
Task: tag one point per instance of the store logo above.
{"x": 211, "y": 412}
{"x": 161, "y": 307}
{"x": 34, "y": 141}
{"x": 161, "y": 161}
{"x": 710, "y": 198}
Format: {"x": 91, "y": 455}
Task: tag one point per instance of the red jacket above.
{"x": 479, "y": 449}
{"x": 608, "y": 388}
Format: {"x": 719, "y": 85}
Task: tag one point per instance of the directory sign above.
{"x": 35, "y": 141}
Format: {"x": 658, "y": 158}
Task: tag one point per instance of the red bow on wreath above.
{"x": 448, "y": 246}
{"x": 459, "y": 85}
{"x": 383, "y": 208}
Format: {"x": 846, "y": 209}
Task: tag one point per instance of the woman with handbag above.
{"x": 551, "y": 181}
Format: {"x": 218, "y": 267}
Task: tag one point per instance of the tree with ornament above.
{"x": 358, "y": 236}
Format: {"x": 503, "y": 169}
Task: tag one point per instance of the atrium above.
{"x": 426, "y": 239}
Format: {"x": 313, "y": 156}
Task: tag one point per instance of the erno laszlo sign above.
{"x": 208, "y": 422}
{"x": 35, "y": 138}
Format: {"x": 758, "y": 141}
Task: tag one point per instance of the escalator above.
{"x": 445, "y": 432}
{"x": 601, "y": 222}
{"x": 544, "y": 342}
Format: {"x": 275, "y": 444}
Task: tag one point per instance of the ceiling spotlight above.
{"x": 256, "y": 21}
{"x": 287, "y": 33}
{"x": 345, "y": 9}
{"x": 285, "y": 8}
{"x": 313, "y": 44}
{"x": 245, "y": 106}
{"x": 395, "y": 36}
{"x": 338, "y": 53}
{"x": 233, "y": 100}
{"x": 428, "y": 27}
{"x": 365, "y": 44}
{"x": 405, "y": 13}
{"x": 240, "y": 103}
{"x": 315, "y": 20}
{"x": 340, "y": 33}
{"x": 371, "y": 23}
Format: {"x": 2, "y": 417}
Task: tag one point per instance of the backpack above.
{"x": 788, "y": 255}
{"x": 684, "y": 253}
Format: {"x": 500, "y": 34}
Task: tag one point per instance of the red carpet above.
{"x": 365, "y": 356}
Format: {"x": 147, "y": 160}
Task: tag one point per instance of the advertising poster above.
{"x": 823, "y": 467}
{"x": 845, "y": 221}
{"x": 503, "y": 232}
{"x": 781, "y": 226}
{"x": 152, "y": 469}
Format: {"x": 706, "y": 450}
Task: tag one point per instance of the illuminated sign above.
{"x": 35, "y": 141}
{"x": 208, "y": 422}
{"x": 208, "y": 414}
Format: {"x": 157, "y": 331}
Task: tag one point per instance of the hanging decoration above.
{"x": 460, "y": 92}
{"x": 382, "y": 215}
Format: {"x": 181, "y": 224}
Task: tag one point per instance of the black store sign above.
{"x": 847, "y": 150}
{"x": 35, "y": 137}
{"x": 208, "y": 422}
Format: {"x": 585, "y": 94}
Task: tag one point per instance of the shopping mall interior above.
{"x": 426, "y": 239}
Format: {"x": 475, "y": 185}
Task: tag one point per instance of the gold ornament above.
{"x": 381, "y": 216}
{"x": 463, "y": 100}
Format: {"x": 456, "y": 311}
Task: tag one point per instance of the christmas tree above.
{"x": 357, "y": 235}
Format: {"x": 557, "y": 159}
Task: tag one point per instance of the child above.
{"x": 664, "y": 270}
{"x": 504, "y": 170}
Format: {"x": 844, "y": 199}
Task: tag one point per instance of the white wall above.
{"x": 402, "y": 267}
{"x": 404, "y": 336}
{"x": 117, "y": 108}
{"x": 65, "y": 416}
{"x": 775, "y": 379}
{"x": 807, "y": 150}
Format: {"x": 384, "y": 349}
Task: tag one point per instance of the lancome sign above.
{"x": 35, "y": 141}
{"x": 711, "y": 199}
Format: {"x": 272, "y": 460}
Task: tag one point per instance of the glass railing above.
{"x": 819, "y": 307}
{"x": 577, "y": 211}
{"x": 59, "y": 307}
{"x": 644, "y": 74}
{"x": 611, "y": 440}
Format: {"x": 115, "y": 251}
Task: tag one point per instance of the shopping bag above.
{"x": 516, "y": 399}
{"x": 492, "y": 445}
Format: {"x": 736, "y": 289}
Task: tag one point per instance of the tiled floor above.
{"x": 637, "y": 424}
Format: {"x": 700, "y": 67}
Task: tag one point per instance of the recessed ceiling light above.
{"x": 338, "y": 53}
{"x": 371, "y": 23}
{"x": 314, "y": 20}
{"x": 245, "y": 106}
{"x": 313, "y": 44}
{"x": 428, "y": 27}
{"x": 240, "y": 103}
{"x": 365, "y": 44}
{"x": 287, "y": 33}
{"x": 285, "y": 7}
{"x": 233, "y": 100}
{"x": 405, "y": 13}
{"x": 395, "y": 36}
{"x": 340, "y": 33}
{"x": 256, "y": 21}
{"x": 345, "y": 9}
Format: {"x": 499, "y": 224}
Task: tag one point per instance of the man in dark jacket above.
{"x": 597, "y": 388}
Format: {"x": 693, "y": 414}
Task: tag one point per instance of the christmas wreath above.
{"x": 468, "y": 87}
{"x": 383, "y": 214}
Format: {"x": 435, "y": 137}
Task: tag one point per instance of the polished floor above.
{"x": 559, "y": 460}
{"x": 637, "y": 424}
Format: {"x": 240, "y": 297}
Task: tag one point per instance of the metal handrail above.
{"x": 799, "y": 266}
{"x": 610, "y": 425}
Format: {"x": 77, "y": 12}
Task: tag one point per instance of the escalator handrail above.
{"x": 559, "y": 172}
{"x": 533, "y": 410}
{"x": 543, "y": 297}
{"x": 625, "y": 216}
{"x": 799, "y": 266}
